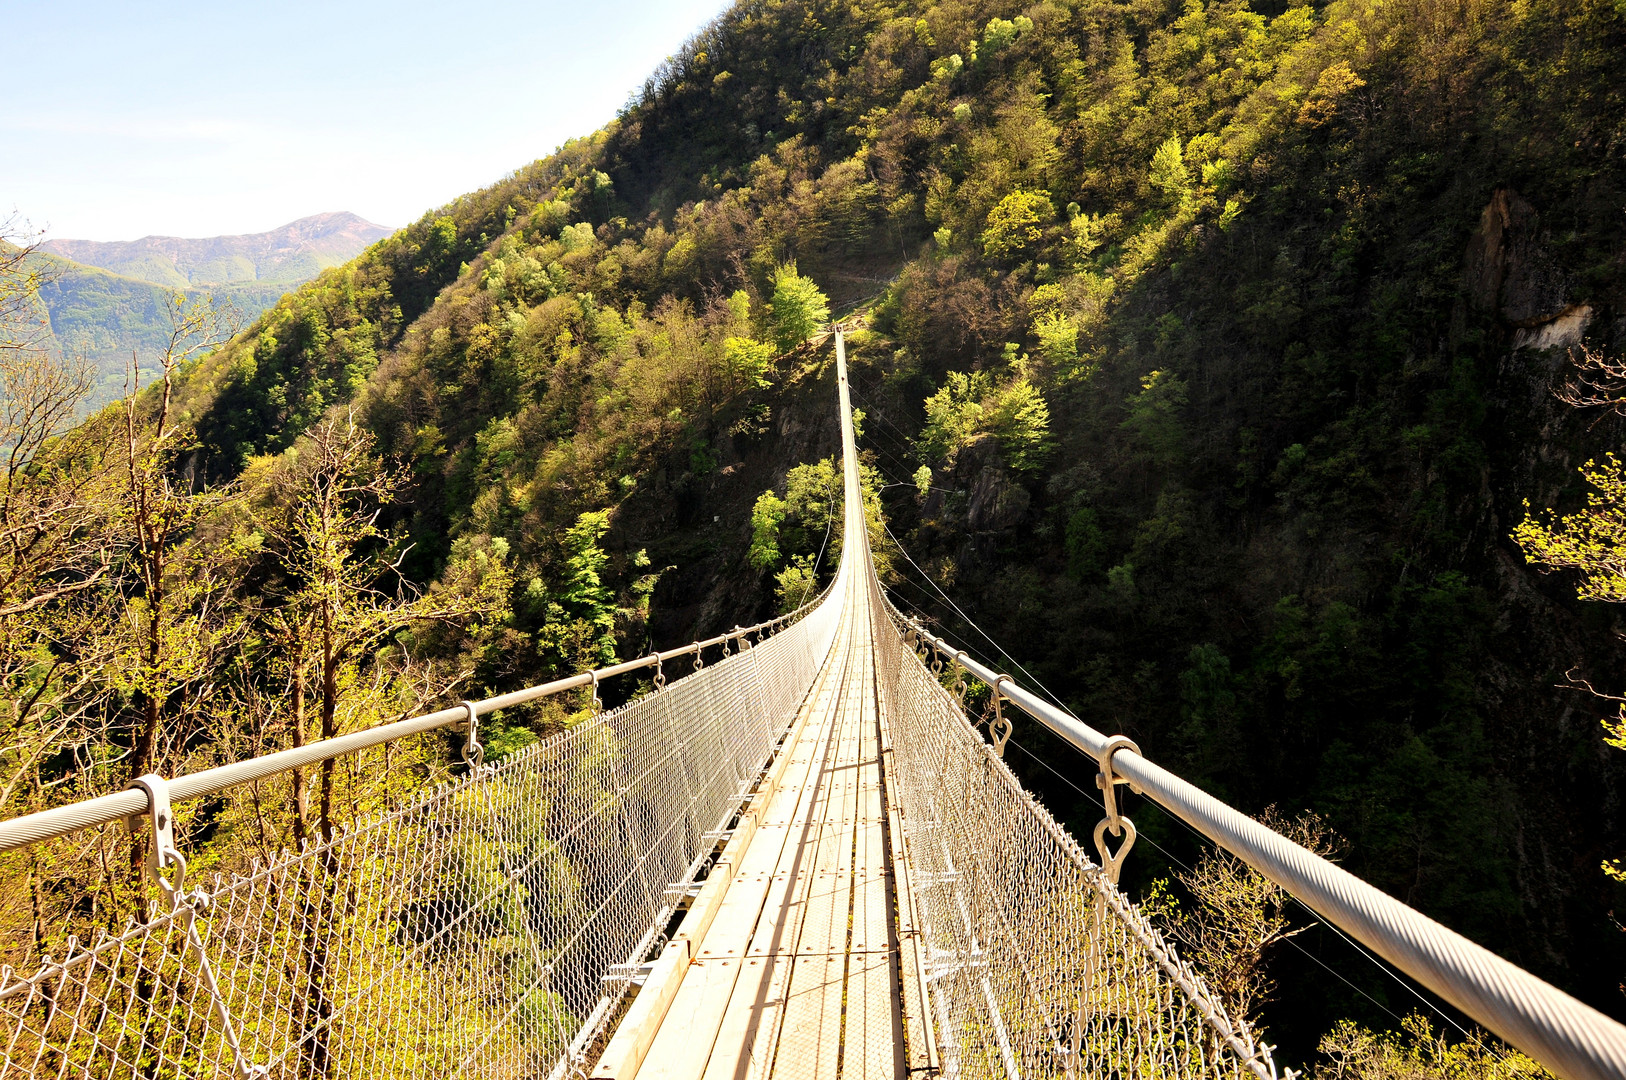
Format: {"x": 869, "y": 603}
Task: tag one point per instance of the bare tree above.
{"x": 1598, "y": 381}
{"x": 1241, "y": 915}
{"x": 163, "y": 504}
{"x": 24, "y": 325}
{"x": 345, "y": 598}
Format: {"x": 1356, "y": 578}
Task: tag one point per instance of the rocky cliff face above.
{"x": 1512, "y": 274}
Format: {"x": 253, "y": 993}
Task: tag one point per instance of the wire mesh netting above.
{"x": 1035, "y": 964}
{"x": 491, "y": 927}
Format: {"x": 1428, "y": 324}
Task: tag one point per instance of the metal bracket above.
{"x": 1108, "y": 780}
{"x": 473, "y": 752}
{"x": 1000, "y": 730}
{"x": 163, "y": 854}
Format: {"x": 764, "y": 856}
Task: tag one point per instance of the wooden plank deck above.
{"x": 798, "y": 970}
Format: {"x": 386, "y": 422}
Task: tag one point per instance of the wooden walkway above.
{"x": 800, "y": 962}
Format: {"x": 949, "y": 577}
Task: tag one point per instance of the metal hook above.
{"x": 660, "y": 675}
{"x": 1000, "y": 729}
{"x": 699, "y": 661}
{"x": 164, "y": 854}
{"x": 1108, "y": 780}
{"x": 598, "y": 705}
{"x": 473, "y": 752}
{"x": 959, "y": 678}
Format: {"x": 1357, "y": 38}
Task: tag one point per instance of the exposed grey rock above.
{"x": 1509, "y": 269}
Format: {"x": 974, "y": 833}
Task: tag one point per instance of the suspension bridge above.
{"x": 802, "y": 859}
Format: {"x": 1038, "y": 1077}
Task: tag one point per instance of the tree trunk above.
{"x": 301, "y": 799}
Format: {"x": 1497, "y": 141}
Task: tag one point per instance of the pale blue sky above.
{"x": 124, "y": 118}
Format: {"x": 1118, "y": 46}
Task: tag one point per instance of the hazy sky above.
{"x": 125, "y": 118}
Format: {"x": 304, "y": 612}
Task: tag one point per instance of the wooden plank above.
{"x": 810, "y": 1037}
{"x": 743, "y": 1049}
{"x": 795, "y": 970}
{"x": 683, "y": 1044}
{"x": 874, "y": 1032}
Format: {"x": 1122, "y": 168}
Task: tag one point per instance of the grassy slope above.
{"x": 1314, "y": 602}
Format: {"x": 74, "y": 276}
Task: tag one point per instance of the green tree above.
{"x": 581, "y": 626}
{"x": 1240, "y": 916}
{"x": 767, "y": 514}
{"x": 1417, "y": 1053}
{"x": 1018, "y": 417}
{"x": 796, "y": 584}
{"x": 971, "y": 404}
{"x": 798, "y": 308}
{"x": 748, "y": 362}
{"x": 1016, "y": 223}
{"x": 1154, "y": 416}
{"x": 1169, "y": 174}
{"x": 1591, "y": 542}
{"x": 1058, "y": 341}
{"x": 953, "y": 413}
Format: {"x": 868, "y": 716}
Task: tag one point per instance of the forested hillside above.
{"x": 105, "y": 301}
{"x": 1206, "y": 351}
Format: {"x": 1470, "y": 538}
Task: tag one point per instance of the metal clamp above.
{"x": 1108, "y": 780}
{"x": 959, "y": 679}
{"x": 189, "y": 906}
{"x": 1000, "y": 730}
{"x": 598, "y": 704}
{"x": 473, "y": 752}
{"x": 699, "y": 661}
{"x": 660, "y": 675}
{"x": 163, "y": 854}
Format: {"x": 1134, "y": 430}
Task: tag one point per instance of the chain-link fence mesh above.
{"x": 1035, "y": 964}
{"x": 492, "y": 927}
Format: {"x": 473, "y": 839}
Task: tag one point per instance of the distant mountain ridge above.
{"x": 289, "y": 254}
{"x": 105, "y": 299}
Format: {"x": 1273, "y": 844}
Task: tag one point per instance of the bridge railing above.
{"x": 1569, "y": 1037}
{"x": 1035, "y": 964}
{"x": 501, "y": 917}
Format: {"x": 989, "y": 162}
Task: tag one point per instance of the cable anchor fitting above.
{"x": 163, "y": 855}
{"x": 1115, "y": 823}
{"x": 1000, "y": 729}
{"x": 190, "y": 907}
{"x": 473, "y": 752}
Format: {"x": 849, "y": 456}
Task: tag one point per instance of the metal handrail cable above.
{"x": 106, "y": 809}
{"x": 1566, "y": 1035}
